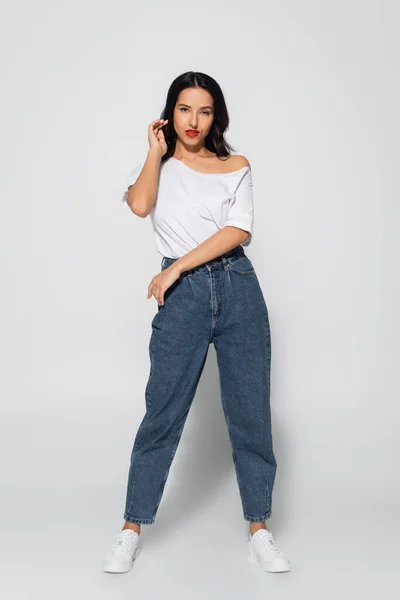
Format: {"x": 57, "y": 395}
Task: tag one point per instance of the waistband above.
{"x": 217, "y": 262}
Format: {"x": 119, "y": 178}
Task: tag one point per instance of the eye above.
{"x": 206, "y": 112}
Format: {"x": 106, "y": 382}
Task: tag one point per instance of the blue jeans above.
{"x": 218, "y": 302}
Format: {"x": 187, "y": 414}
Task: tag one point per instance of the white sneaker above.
{"x": 263, "y": 551}
{"x": 125, "y": 551}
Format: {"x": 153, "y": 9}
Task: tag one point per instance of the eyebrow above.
{"x": 188, "y": 106}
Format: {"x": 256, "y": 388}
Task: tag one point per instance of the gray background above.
{"x": 313, "y": 93}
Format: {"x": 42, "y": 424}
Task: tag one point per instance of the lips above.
{"x": 192, "y": 132}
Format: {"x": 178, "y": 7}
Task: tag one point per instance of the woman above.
{"x": 199, "y": 197}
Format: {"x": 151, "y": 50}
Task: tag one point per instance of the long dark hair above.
{"x": 215, "y": 141}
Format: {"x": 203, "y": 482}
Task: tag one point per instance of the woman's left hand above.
{"x": 161, "y": 282}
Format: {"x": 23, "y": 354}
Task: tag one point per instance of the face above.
{"x": 194, "y": 110}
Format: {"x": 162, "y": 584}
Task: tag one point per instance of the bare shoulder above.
{"x": 239, "y": 161}
{"x": 233, "y": 162}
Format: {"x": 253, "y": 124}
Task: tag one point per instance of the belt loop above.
{"x": 225, "y": 263}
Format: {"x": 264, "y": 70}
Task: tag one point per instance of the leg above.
{"x": 243, "y": 346}
{"x": 178, "y": 349}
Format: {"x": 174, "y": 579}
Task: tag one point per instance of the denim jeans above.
{"x": 218, "y": 302}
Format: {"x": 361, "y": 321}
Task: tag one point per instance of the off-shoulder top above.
{"x": 191, "y": 206}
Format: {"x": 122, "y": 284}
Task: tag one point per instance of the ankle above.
{"x": 133, "y": 526}
{"x": 256, "y": 527}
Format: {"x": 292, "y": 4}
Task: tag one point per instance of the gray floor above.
{"x": 56, "y": 547}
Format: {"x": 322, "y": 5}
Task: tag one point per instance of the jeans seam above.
{"x": 257, "y": 519}
{"x": 138, "y": 521}
{"x": 233, "y": 448}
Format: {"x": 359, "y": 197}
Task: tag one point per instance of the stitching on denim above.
{"x": 228, "y": 422}
{"x": 138, "y": 520}
{"x": 268, "y": 496}
{"x": 232, "y": 266}
{"x": 257, "y": 519}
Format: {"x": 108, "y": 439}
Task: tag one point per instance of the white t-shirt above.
{"x": 191, "y": 206}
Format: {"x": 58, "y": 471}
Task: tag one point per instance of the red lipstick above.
{"x": 192, "y": 132}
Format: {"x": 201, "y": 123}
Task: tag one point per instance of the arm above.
{"x": 238, "y": 226}
{"x": 225, "y": 239}
{"x": 237, "y": 229}
{"x": 142, "y": 194}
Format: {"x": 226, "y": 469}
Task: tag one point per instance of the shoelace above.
{"x": 123, "y": 543}
{"x": 269, "y": 542}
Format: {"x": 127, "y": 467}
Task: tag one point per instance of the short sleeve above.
{"x": 131, "y": 180}
{"x": 241, "y": 211}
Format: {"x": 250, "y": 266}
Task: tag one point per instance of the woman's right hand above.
{"x": 156, "y": 136}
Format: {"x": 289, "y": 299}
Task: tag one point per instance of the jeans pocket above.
{"x": 241, "y": 265}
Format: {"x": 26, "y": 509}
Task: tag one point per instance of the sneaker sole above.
{"x": 267, "y": 565}
{"x": 121, "y": 567}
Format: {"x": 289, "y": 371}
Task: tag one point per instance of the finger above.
{"x": 157, "y": 129}
{"x": 154, "y": 125}
{"x": 158, "y": 294}
{"x": 162, "y": 124}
